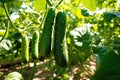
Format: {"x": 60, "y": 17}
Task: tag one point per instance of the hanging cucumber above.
{"x": 34, "y": 51}
{"x": 60, "y": 46}
{"x": 25, "y": 49}
{"x": 34, "y": 45}
{"x": 45, "y": 39}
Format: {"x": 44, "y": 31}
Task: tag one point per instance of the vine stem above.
{"x": 8, "y": 16}
{"x": 7, "y": 28}
{"x": 49, "y": 2}
{"x": 58, "y": 4}
{"x": 33, "y": 70}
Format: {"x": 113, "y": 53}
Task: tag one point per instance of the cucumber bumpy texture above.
{"x": 25, "y": 49}
{"x": 60, "y": 45}
{"x": 34, "y": 45}
{"x": 45, "y": 39}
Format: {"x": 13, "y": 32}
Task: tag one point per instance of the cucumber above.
{"x": 60, "y": 45}
{"x": 25, "y": 49}
{"x": 45, "y": 38}
{"x": 34, "y": 45}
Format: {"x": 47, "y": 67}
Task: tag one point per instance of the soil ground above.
{"x": 43, "y": 74}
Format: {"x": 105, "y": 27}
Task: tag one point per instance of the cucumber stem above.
{"x": 49, "y": 2}
{"x": 33, "y": 70}
{"x": 58, "y": 4}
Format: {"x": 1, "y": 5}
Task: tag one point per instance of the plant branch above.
{"x": 34, "y": 70}
{"x": 49, "y": 2}
{"x": 8, "y": 16}
{"x": 7, "y": 27}
{"x": 58, "y": 4}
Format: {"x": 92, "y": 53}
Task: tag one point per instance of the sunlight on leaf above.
{"x": 27, "y": 2}
{"x": 90, "y": 4}
{"x": 77, "y": 2}
{"x": 40, "y": 5}
{"x": 77, "y": 12}
{"x": 2, "y": 12}
{"x": 14, "y": 76}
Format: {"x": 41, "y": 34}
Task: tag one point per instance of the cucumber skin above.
{"x": 60, "y": 46}
{"x": 45, "y": 39}
{"x": 34, "y": 45}
{"x": 25, "y": 49}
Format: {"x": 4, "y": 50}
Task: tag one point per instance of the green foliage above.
{"x": 100, "y": 50}
{"x": 1, "y": 74}
{"x": 81, "y": 43}
{"x": 92, "y": 4}
{"x": 37, "y": 4}
{"x": 109, "y": 67}
{"x": 84, "y": 12}
{"x": 14, "y": 76}
{"x": 2, "y": 32}
{"x": 2, "y": 12}
{"x": 5, "y": 47}
{"x": 116, "y": 45}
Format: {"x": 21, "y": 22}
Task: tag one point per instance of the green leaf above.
{"x": 2, "y": 12}
{"x": 108, "y": 16}
{"x": 82, "y": 40}
{"x": 14, "y": 76}
{"x": 109, "y": 68}
{"x": 100, "y": 50}
{"x": 77, "y": 2}
{"x": 40, "y": 5}
{"x": 1, "y": 74}
{"x": 84, "y": 12}
{"x": 16, "y": 4}
{"x": 5, "y": 44}
{"x": 90, "y": 4}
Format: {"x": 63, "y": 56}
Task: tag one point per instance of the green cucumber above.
{"x": 45, "y": 38}
{"x": 25, "y": 49}
{"x": 34, "y": 45}
{"x": 60, "y": 45}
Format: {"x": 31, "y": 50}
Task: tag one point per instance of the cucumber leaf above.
{"x": 39, "y": 5}
{"x": 89, "y": 4}
{"x": 14, "y": 76}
